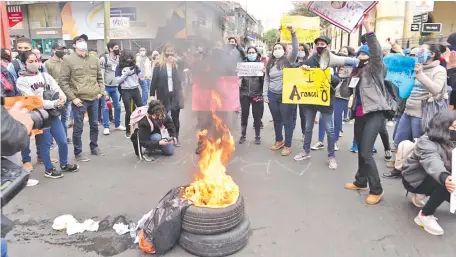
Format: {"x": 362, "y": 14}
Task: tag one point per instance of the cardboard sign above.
{"x": 306, "y": 87}
{"x": 400, "y": 70}
{"x": 226, "y": 87}
{"x": 346, "y": 15}
{"x": 307, "y": 28}
{"x": 250, "y": 69}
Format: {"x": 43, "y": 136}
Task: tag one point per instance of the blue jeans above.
{"x": 329, "y": 127}
{"x": 55, "y": 131}
{"x": 64, "y": 116}
{"x": 340, "y": 106}
{"x": 92, "y": 111}
{"x": 282, "y": 115}
{"x": 398, "y": 119}
{"x": 145, "y": 88}
{"x": 167, "y": 149}
{"x": 113, "y": 93}
{"x": 26, "y": 152}
{"x": 4, "y": 248}
{"x": 409, "y": 128}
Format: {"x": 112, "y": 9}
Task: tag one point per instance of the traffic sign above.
{"x": 415, "y": 27}
{"x": 431, "y": 27}
{"x": 420, "y": 18}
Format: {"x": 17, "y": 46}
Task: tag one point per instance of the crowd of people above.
{"x": 90, "y": 85}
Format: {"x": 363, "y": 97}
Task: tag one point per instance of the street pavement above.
{"x": 295, "y": 208}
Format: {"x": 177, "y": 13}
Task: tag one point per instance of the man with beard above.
{"x": 23, "y": 44}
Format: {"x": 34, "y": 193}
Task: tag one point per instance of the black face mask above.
{"x": 453, "y": 135}
{"x": 362, "y": 63}
{"x": 320, "y": 49}
{"x": 59, "y": 54}
{"x": 168, "y": 55}
{"x": 116, "y": 52}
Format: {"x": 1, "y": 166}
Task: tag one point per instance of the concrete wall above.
{"x": 445, "y": 13}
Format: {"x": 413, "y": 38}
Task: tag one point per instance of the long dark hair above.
{"x": 281, "y": 63}
{"x": 127, "y": 57}
{"x": 438, "y": 132}
{"x": 25, "y": 55}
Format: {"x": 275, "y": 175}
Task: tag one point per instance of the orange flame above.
{"x": 214, "y": 189}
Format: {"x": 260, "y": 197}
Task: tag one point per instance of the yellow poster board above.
{"x": 306, "y": 87}
{"x": 307, "y": 28}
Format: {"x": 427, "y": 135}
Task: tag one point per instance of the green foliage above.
{"x": 270, "y": 37}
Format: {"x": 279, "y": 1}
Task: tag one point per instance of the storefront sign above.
{"x": 120, "y": 23}
{"x": 415, "y": 27}
{"x": 306, "y": 87}
{"x": 47, "y": 32}
{"x": 15, "y": 19}
{"x": 420, "y": 18}
{"x": 423, "y": 6}
{"x": 432, "y": 27}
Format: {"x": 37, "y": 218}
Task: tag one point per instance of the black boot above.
{"x": 392, "y": 174}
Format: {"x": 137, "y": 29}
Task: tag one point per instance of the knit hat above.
{"x": 452, "y": 39}
{"x": 363, "y": 49}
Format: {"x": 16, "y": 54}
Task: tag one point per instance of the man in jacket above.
{"x": 309, "y": 112}
{"x": 144, "y": 81}
{"x": 82, "y": 82}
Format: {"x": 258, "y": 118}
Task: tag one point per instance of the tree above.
{"x": 270, "y": 37}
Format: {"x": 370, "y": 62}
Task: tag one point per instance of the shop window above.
{"x": 44, "y": 16}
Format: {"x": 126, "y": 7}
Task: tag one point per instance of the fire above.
{"x": 214, "y": 189}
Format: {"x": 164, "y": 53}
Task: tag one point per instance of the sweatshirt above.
{"x": 128, "y": 78}
{"x": 108, "y": 67}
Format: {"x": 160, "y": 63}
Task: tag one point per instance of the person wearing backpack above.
{"x": 8, "y": 84}
{"x": 23, "y": 44}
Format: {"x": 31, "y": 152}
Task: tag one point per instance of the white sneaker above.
{"x": 302, "y": 156}
{"x": 318, "y": 146}
{"x": 332, "y": 164}
{"x": 121, "y": 128}
{"x": 429, "y": 223}
{"x": 390, "y": 123}
{"x": 106, "y": 131}
{"x": 336, "y": 147}
{"x": 418, "y": 200}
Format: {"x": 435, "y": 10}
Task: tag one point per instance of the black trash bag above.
{"x": 162, "y": 229}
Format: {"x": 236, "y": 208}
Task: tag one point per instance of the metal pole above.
{"x": 107, "y": 21}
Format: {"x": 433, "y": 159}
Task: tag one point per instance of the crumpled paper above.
{"x": 73, "y": 226}
{"x": 121, "y": 228}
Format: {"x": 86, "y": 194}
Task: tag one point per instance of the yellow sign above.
{"x": 306, "y": 87}
{"x": 307, "y": 28}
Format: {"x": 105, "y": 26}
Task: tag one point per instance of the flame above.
{"x": 214, "y": 188}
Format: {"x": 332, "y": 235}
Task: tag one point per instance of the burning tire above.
{"x": 216, "y": 245}
{"x": 211, "y": 221}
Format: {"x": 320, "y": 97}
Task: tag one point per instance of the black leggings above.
{"x": 385, "y": 138}
{"x": 175, "y": 117}
{"x": 257, "y": 112}
{"x": 131, "y": 99}
{"x": 437, "y": 194}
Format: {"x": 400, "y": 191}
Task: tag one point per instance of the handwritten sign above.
{"x": 226, "y": 87}
{"x": 250, "y": 69}
{"x": 400, "y": 70}
{"x": 343, "y": 14}
{"x": 307, "y": 28}
{"x": 306, "y": 87}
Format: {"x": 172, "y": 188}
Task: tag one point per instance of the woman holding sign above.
{"x": 282, "y": 114}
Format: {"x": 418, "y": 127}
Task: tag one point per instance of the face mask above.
{"x": 320, "y": 49}
{"x": 260, "y": 50}
{"x": 301, "y": 54}
{"x": 168, "y": 55}
{"x": 59, "y": 54}
{"x": 423, "y": 56}
{"x": 81, "y": 45}
{"x": 33, "y": 67}
{"x": 278, "y": 53}
{"x": 362, "y": 63}
{"x": 252, "y": 57}
{"x": 142, "y": 53}
{"x": 116, "y": 52}
{"x": 453, "y": 135}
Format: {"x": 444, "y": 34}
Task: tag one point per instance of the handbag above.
{"x": 51, "y": 95}
{"x": 430, "y": 108}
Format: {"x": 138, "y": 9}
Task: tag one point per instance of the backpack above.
{"x": 137, "y": 115}
{"x": 17, "y": 66}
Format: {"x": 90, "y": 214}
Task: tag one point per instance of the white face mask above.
{"x": 81, "y": 45}
{"x": 278, "y": 53}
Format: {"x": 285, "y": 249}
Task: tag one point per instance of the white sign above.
{"x": 120, "y": 23}
{"x": 453, "y": 195}
{"x": 423, "y": 6}
{"x": 250, "y": 69}
{"x": 346, "y": 15}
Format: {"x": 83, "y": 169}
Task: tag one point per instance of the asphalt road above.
{"x": 296, "y": 209}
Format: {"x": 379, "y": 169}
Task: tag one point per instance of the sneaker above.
{"x": 374, "y": 199}
{"x": 39, "y": 161}
{"x": 257, "y": 140}
{"x": 53, "y": 146}
{"x": 302, "y": 156}
{"x": 121, "y": 128}
{"x": 336, "y": 147}
{"x": 352, "y": 186}
{"x": 418, "y": 200}
{"x": 429, "y": 223}
{"x": 128, "y": 135}
{"x": 388, "y": 155}
{"x": 69, "y": 168}
{"x": 242, "y": 140}
{"x": 106, "y": 131}
{"x": 178, "y": 144}
{"x": 392, "y": 174}
{"x": 97, "y": 151}
{"x": 318, "y": 146}
{"x": 277, "y": 146}
{"x": 69, "y": 141}
{"x": 53, "y": 173}
{"x": 82, "y": 158}
{"x": 390, "y": 123}
{"x": 332, "y": 163}
{"x": 28, "y": 166}
{"x": 285, "y": 151}
{"x": 354, "y": 148}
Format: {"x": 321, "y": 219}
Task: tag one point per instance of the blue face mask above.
{"x": 252, "y": 57}
{"x": 423, "y": 56}
{"x": 260, "y": 49}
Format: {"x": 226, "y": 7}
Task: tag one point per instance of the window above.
{"x": 44, "y": 16}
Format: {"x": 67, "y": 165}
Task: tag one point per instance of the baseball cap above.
{"x": 83, "y": 36}
{"x": 325, "y": 39}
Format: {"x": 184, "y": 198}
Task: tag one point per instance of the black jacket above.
{"x": 159, "y": 85}
{"x": 144, "y": 132}
{"x": 252, "y": 86}
{"x": 314, "y": 62}
{"x": 14, "y": 135}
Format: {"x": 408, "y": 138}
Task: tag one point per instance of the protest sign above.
{"x": 226, "y": 87}
{"x": 307, "y": 28}
{"x": 400, "y": 70}
{"x": 250, "y": 69}
{"x": 306, "y": 87}
{"x": 453, "y": 172}
{"x": 342, "y": 14}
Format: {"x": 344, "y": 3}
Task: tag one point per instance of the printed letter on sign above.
{"x": 306, "y": 87}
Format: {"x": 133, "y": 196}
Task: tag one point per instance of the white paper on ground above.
{"x": 121, "y": 228}
{"x": 453, "y": 195}
{"x": 32, "y": 182}
{"x": 72, "y": 225}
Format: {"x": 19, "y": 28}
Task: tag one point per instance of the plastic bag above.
{"x": 163, "y": 227}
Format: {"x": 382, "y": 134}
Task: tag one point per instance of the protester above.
{"x": 32, "y": 82}
{"x": 167, "y": 85}
{"x": 235, "y": 53}
{"x": 251, "y": 94}
{"x": 310, "y": 111}
{"x": 428, "y": 169}
{"x": 303, "y": 53}
{"x": 451, "y": 67}
{"x": 282, "y": 114}
{"x": 23, "y": 44}
{"x": 82, "y": 82}
{"x": 37, "y": 53}
{"x": 156, "y": 130}
{"x": 108, "y": 64}
{"x": 8, "y": 84}
{"x": 127, "y": 77}
{"x": 369, "y": 104}
{"x": 145, "y": 65}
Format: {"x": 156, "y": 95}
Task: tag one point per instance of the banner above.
{"x": 306, "y": 87}
{"x": 307, "y": 28}
{"x": 15, "y": 19}
{"x": 346, "y": 15}
{"x": 400, "y": 70}
{"x": 250, "y": 69}
{"x": 228, "y": 89}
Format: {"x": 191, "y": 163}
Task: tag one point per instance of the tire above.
{"x": 212, "y": 221}
{"x": 216, "y": 245}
